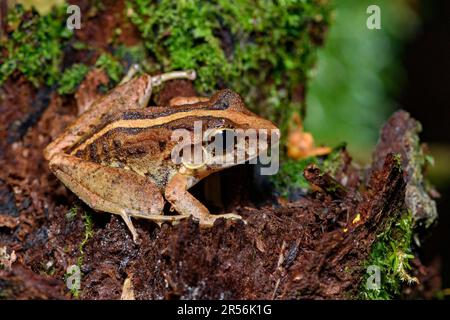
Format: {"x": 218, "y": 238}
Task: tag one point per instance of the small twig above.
{"x": 279, "y": 264}
{"x": 128, "y": 290}
{"x": 276, "y": 289}
{"x": 281, "y": 256}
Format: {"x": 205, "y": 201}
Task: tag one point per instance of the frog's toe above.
{"x": 126, "y": 218}
{"x": 210, "y": 219}
{"x": 232, "y": 216}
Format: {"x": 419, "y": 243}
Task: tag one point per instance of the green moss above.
{"x": 88, "y": 230}
{"x": 290, "y": 179}
{"x": 34, "y": 47}
{"x": 72, "y": 213}
{"x": 334, "y": 160}
{"x": 261, "y": 49}
{"x": 72, "y": 77}
{"x": 111, "y": 66}
{"x": 134, "y": 55}
{"x": 88, "y": 234}
{"x": 398, "y": 160}
{"x": 391, "y": 253}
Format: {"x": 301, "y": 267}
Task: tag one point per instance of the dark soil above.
{"x": 308, "y": 248}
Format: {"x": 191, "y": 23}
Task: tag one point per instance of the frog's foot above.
{"x": 208, "y": 220}
{"x": 182, "y": 201}
{"x": 157, "y": 218}
{"x": 126, "y": 218}
{"x": 163, "y": 77}
{"x": 159, "y": 79}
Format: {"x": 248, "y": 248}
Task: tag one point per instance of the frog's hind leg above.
{"x": 111, "y": 190}
{"x": 133, "y": 94}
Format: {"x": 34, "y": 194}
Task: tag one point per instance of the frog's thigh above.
{"x": 111, "y": 189}
{"x": 106, "y": 188}
{"x": 186, "y": 204}
{"x": 131, "y": 95}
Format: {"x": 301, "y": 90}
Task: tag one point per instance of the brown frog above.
{"x": 117, "y": 156}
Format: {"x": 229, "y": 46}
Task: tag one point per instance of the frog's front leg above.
{"x": 111, "y": 190}
{"x": 186, "y": 204}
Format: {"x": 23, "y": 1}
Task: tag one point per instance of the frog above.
{"x": 117, "y": 156}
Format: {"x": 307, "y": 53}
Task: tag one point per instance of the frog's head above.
{"x": 231, "y": 134}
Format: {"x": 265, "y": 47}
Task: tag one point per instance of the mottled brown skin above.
{"x": 116, "y": 157}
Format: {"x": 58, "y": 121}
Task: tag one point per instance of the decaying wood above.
{"x": 400, "y": 135}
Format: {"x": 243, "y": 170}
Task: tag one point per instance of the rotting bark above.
{"x": 24, "y": 284}
{"x": 324, "y": 182}
{"x": 400, "y": 135}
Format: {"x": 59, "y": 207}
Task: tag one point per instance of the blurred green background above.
{"x": 358, "y": 74}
